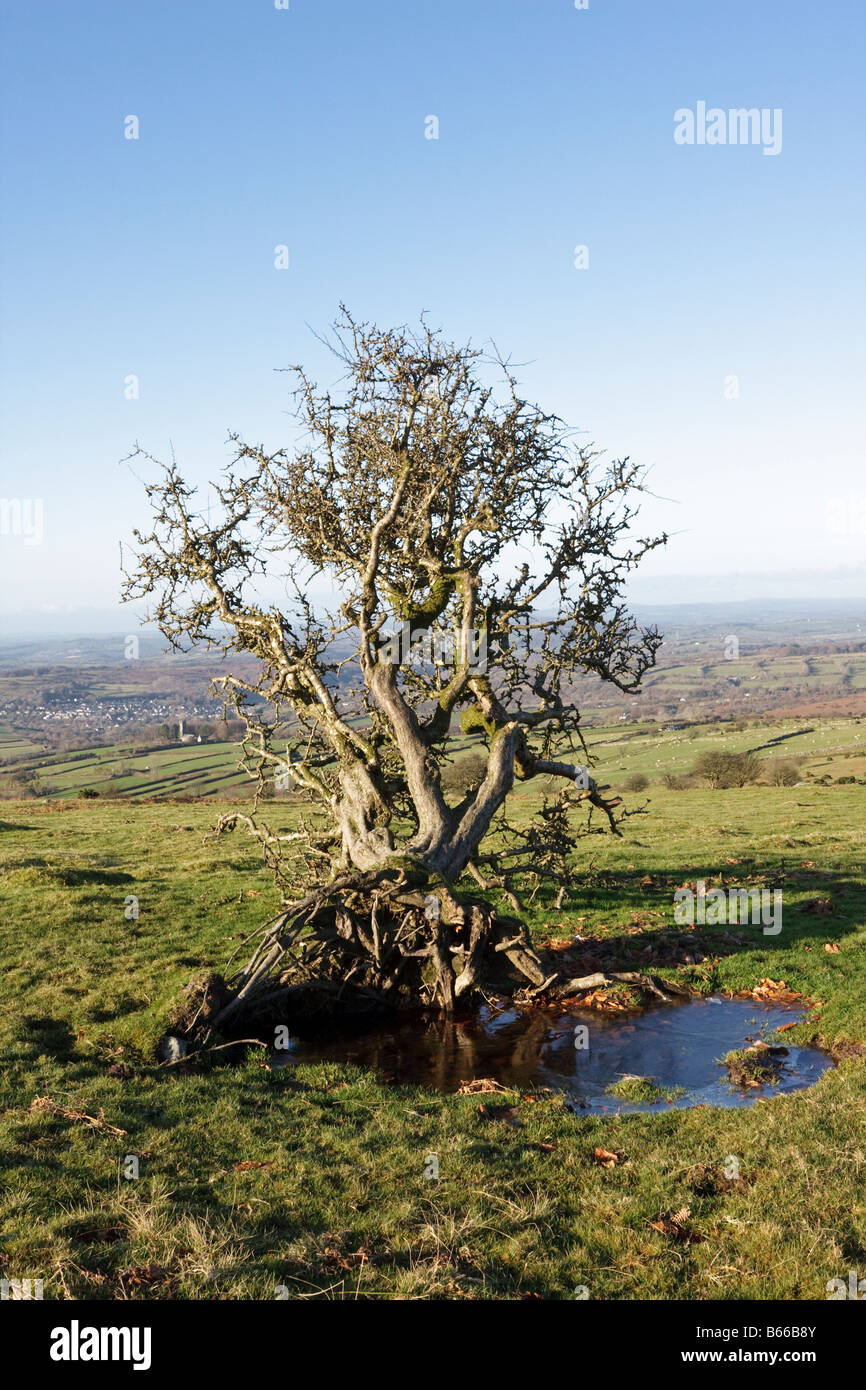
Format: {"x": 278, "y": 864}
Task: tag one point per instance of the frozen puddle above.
{"x": 678, "y": 1047}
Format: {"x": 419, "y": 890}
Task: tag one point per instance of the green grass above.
{"x": 750, "y": 1066}
{"x": 342, "y": 1204}
{"x": 122, "y": 771}
{"x": 14, "y": 746}
{"x": 618, "y": 751}
{"x": 643, "y": 1090}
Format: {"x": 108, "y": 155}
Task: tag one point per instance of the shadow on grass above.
{"x": 819, "y": 907}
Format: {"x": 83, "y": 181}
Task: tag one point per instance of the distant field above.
{"x": 645, "y": 748}
{"x": 617, "y": 752}
{"x": 14, "y": 746}
{"x": 709, "y": 684}
{"x": 119, "y": 770}
{"x": 722, "y": 661}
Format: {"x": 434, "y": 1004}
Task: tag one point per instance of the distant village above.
{"x": 88, "y": 718}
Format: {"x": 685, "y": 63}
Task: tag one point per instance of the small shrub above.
{"x": 728, "y": 769}
{"x": 677, "y": 781}
{"x": 636, "y": 783}
{"x": 460, "y": 777}
{"x": 784, "y": 774}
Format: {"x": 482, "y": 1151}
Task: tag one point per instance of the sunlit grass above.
{"x": 341, "y": 1204}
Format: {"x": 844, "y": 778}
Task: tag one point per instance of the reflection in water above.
{"x": 677, "y": 1045}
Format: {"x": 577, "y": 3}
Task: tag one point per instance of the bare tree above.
{"x": 728, "y": 769}
{"x": 479, "y": 551}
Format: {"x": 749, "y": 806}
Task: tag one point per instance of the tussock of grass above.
{"x": 755, "y": 1066}
{"x": 643, "y": 1090}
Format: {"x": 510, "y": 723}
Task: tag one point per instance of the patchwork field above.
{"x": 206, "y": 769}
{"x": 617, "y": 752}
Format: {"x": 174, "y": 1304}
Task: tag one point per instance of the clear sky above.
{"x": 305, "y": 127}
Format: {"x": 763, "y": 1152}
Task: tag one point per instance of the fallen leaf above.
{"x": 606, "y": 1157}
{"x": 772, "y": 989}
{"x": 143, "y": 1276}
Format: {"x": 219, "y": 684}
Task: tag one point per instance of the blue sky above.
{"x": 261, "y": 127}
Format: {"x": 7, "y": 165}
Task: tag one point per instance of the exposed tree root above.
{"x": 370, "y": 941}
{"x": 661, "y": 989}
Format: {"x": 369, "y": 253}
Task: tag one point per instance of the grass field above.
{"x": 618, "y": 750}
{"x": 14, "y": 746}
{"x": 694, "y": 679}
{"x": 121, "y": 770}
{"x": 314, "y": 1180}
